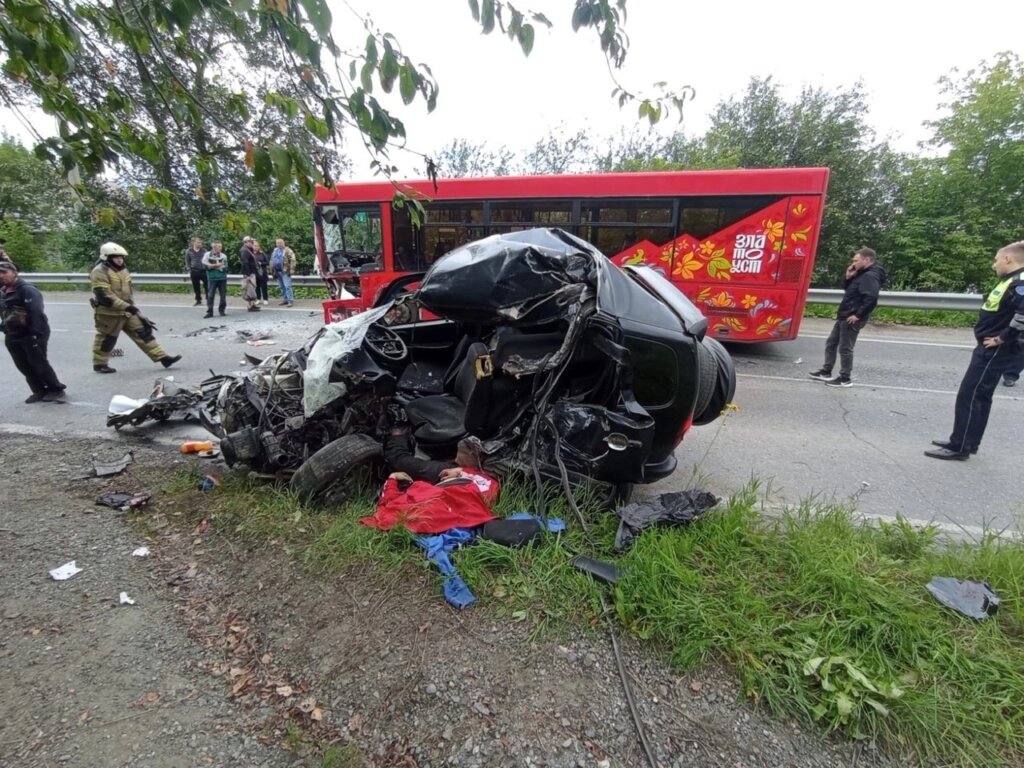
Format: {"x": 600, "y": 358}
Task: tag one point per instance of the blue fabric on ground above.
{"x": 438, "y": 547}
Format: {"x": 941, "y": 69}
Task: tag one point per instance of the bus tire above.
{"x": 330, "y": 472}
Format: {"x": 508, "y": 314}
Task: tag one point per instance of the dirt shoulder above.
{"x": 241, "y": 658}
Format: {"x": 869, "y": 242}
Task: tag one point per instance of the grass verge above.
{"x": 933, "y": 318}
{"x": 823, "y": 619}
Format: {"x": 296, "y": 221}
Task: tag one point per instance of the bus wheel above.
{"x": 335, "y": 473}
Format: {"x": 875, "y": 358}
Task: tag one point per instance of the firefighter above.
{"x": 114, "y": 310}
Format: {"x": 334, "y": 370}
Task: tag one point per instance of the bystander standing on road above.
{"x": 284, "y": 267}
{"x": 864, "y": 280}
{"x": 114, "y": 310}
{"x": 998, "y": 334}
{"x": 247, "y": 265}
{"x": 194, "y": 266}
{"x": 26, "y": 334}
{"x": 216, "y": 263}
{"x": 262, "y": 272}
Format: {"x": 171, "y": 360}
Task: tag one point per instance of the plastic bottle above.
{"x": 196, "y": 446}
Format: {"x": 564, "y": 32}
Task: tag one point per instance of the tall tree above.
{"x": 172, "y": 58}
{"x": 30, "y": 191}
{"x": 967, "y": 200}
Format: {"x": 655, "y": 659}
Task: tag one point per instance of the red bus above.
{"x": 739, "y": 243}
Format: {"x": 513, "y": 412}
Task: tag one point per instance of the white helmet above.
{"x": 111, "y": 249}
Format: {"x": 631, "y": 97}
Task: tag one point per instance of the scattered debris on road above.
{"x": 974, "y": 599}
{"x": 65, "y": 572}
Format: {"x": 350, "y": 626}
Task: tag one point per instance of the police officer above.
{"x": 998, "y": 331}
{"x": 26, "y": 333}
{"x": 115, "y": 311}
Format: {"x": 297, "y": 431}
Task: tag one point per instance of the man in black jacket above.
{"x": 248, "y": 266}
{"x": 197, "y": 272}
{"x": 26, "y": 333}
{"x": 864, "y": 280}
{"x": 998, "y": 332}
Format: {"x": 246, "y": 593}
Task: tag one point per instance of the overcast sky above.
{"x": 490, "y": 92}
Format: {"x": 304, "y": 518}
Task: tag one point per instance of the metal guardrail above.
{"x": 80, "y": 278}
{"x": 969, "y": 302}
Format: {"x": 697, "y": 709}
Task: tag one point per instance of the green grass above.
{"x": 822, "y": 619}
{"x": 936, "y": 318}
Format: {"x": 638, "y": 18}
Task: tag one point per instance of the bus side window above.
{"x": 407, "y": 239}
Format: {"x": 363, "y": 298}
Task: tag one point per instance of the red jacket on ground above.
{"x": 426, "y": 508}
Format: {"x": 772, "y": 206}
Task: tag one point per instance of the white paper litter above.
{"x": 798, "y": 361}
{"x": 65, "y": 572}
{"x": 140, "y": 552}
{"x": 125, "y": 600}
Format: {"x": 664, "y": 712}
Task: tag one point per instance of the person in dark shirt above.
{"x": 998, "y": 333}
{"x": 196, "y": 271}
{"x": 864, "y": 281}
{"x": 26, "y": 334}
{"x": 247, "y": 264}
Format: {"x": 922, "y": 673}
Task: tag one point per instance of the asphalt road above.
{"x": 798, "y": 438}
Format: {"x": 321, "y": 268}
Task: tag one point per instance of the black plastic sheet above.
{"x": 521, "y": 277}
{"x": 678, "y": 508}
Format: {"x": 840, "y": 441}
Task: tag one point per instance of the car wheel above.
{"x": 723, "y": 387}
{"x": 707, "y": 377}
{"x": 333, "y": 473}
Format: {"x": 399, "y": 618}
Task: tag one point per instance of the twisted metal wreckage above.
{"x": 565, "y": 367}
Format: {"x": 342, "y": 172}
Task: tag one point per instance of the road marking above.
{"x": 898, "y": 341}
{"x": 867, "y": 386}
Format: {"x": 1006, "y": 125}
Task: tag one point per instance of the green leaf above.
{"x": 319, "y": 15}
{"x": 526, "y": 36}
{"x": 388, "y": 70}
{"x": 487, "y": 16}
{"x": 877, "y": 706}
{"x": 474, "y": 8}
{"x": 263, "y": 164}
{"x": 282, "y": 164}
{"x": 844, "y": 705}
{"x": 407, "y": 84}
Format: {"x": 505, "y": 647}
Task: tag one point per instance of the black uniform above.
{"x": 1002, "y": 315}
{"x": 26, "y": 334}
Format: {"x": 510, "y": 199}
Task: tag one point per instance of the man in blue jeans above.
{"x": 283, "y": 263}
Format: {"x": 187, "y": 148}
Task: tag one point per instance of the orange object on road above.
{"x": 196, "y": 446}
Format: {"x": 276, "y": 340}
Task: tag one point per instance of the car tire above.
{"x": 723, "y": 386}
{"x": 707, "y": 377}
{"x": 331, "y": 473}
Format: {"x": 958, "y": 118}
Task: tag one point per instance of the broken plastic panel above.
{"x": 600, "y": 442}
{"x": 974, "y": 599}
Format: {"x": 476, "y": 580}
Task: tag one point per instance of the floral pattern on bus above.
{"x": 768, "y": 249}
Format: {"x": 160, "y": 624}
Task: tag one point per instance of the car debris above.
{"x": 974, "y": 599}
{"x": 140, "y": 552}
{"x": 168, "y": 400}
{"x": 65, "y": 572}
{"x": 123, "y": 599}
{"x": 564, "y": 365}
{"x": 112, "y": 467}
{"x": 207, "y": 329}
{"x": 124, "y": 500}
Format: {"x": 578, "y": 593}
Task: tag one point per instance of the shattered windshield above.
{"x": 352, "y": 237}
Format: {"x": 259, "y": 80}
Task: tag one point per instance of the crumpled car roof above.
{"x": 518, "y": 277}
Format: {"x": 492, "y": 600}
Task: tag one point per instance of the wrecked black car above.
{"x": 560, "y": 362}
